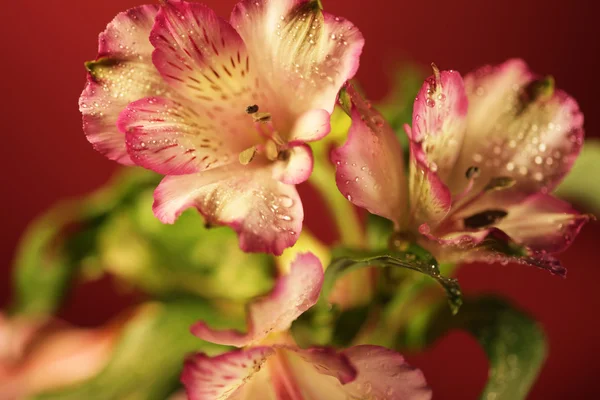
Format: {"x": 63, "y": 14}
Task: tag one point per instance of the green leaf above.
{"x": 58, "y": 243}
{"x": 580, "y": 184}
{"x": 414, "y": 258}
{"x": 513, "y": 342}
{"x": 148, "y": 358}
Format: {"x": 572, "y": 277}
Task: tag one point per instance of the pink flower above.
{"x": 274, "y": 368}
{"x": 38, "y": 356}
{"x": 223, "y": 109}
{"x": 485, "y": 154}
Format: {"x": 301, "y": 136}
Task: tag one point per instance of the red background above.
{"x": 45, "y": 156}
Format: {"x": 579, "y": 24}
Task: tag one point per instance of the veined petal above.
{"x": 303, "y": 55}
{"x": 203, "y": 57}
{"x": 297, "y": 168}
{"x": 293, "y": 294}
{"x": 438, "y": 123}
{"x": 518, "y": 126}
{"x": 233, "y": 375}
{"x": 370, "y": 166}
{"x": 169, "y": 137}
{"x": 266, "y": 213}
{"x": 122, "y": 73}
{"x": 430, "y": 198}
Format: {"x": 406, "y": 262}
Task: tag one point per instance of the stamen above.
{"x": 252, "y": 109}
{"x": 472, "y": 174}
{"x": 261, "y": 117}
{"x": 484, "y": 219}
{"x": 271, "y": 150}
{"x": 247, "y": 155}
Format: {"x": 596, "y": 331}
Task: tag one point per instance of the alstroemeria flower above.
{"x": 38, "y": 356}
{"x": 485, "y": 154}
{"x": 223, "y": 109}
{"x": 274, "y": 368}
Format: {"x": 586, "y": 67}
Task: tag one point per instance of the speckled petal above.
{"x": 303, "y": 55}
{"x": 122, "y": 73}
{"x": 438, "y": 123}
{"x": 293, "y": 294}
{"x": 370, "y": 166}
{"x": 234, "y": 375}
{"x": 514, "y": 131}
{"x": 203, "y": 57}
{"x": 169, "y": 137}
{"x": 297, "y": 168}
{"x": 266, "y": 213}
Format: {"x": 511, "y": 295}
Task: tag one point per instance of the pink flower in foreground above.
{"x": 38, "y": 356}
{"x": 274, "y": 368}
{"x": 485, "y": 154}
{"x": 223, "y": 109}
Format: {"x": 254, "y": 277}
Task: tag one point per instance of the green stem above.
{"x": 349, "y": 228}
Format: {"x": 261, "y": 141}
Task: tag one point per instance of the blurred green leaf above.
{"x": 58, "y": 243}
{"x": 183, "y": 257}
{"x": 148, "y": 357}
{"x": 379, "y": 231}
{"x": 514, "y": 343}
{"x": 414, "y": 258}
{"x": 582, "y": 184}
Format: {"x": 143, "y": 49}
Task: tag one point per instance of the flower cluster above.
{"x": 233, "y": 114}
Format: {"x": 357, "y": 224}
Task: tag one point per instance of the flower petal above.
{"x": 236, "y": 375}
{"x": 169, "y": 137}
{"x": 370, "y": 166}
{"x": 543, "y": 223}
{"x": 311, "y": 126}
{"x": 303, "y": 55}
{"x": 439, "y": 116}
{"x": 293, "y": 294}
{"x": 430, "y": 198}
{"x": 123, "y": 72}
{"x": 266, "y": 213}
{"x": 358, "y": 372}
{"x": 515, "y": 129}
{"x": 297, "y": 168}
{"x": 384, "y": 374}
{"x": 202, "y": 57}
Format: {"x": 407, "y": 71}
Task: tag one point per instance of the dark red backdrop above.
{"x": 45, "y": 156}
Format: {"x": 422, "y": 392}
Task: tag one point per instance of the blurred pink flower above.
{"x": 223, "y": 109}
{"x": 41, "y": 355}
{"x": 273, "y": 367}
{"x": 485, "y": 154}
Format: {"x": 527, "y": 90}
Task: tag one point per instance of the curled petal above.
{"x": 236, "y": 375}
{"x": 311, "y": 126}
{"x": 298, "y": 166}
{"x": 370, "y": 166}
{"x": 303, "y": 55}
{"x": 122, "y": 73}
{"x": 439, "y": 115}
{"x": 167, "y": 136}
{"x": 266, "y": 213}
{"x": 202, "y": 57}
{"x": 293, "y": 294}
{"x": 518, "y": 126}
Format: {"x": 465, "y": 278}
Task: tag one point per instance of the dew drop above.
{"x": 430, "y": 103}
{"x": 286, "y": 201}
